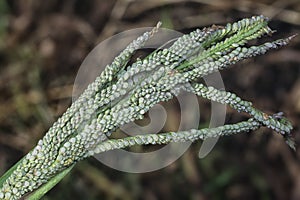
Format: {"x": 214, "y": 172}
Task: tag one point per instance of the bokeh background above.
{"x": 42, "y": 44}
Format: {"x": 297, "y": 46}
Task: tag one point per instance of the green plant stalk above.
{"x": 39, "y": 193}
{"x": 9, "y": 172}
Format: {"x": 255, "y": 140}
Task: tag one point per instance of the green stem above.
{"x": 9, "y": 172}
{"x": 39, "y": 193}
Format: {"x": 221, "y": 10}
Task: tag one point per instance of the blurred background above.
{"x": 42, "y": 44}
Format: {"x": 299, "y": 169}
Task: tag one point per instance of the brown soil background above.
{"x": 42, "y": 44}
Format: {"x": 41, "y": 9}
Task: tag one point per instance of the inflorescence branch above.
{"x": 123, "y": 93}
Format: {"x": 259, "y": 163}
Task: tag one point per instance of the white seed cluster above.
{"x": 122, "y": 94}
{"x": 181, "y": 136}
{"x": 242, "y": 106}
{"x": 68, "y": 140}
